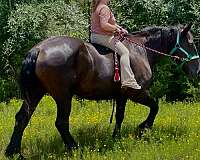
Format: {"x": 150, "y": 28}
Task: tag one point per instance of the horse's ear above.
{"x": 186, "y": 29}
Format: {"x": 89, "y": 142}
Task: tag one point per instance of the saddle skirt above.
{"x": 105, "y": 50}
{"x": 102, "y": 49}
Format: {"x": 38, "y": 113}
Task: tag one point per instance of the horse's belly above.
{"x": 98, "y": 89}
{"x": 97, "y": 96}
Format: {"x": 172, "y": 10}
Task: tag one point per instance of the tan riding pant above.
{"x": 127, "y": 76}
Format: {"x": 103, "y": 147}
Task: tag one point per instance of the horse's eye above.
{"x": 191, "y": 44}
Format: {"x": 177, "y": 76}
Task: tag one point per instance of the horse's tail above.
{"x": 28, "y": 79}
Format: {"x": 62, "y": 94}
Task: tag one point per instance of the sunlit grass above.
{"x": 175, "y": 135}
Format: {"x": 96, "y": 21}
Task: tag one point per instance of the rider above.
{"x": 103, "y": 28}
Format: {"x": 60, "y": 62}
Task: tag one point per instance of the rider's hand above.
{"x": 120, "y": 31}
{"x": 124, "y": 31}
{"x": 117, "y": 31}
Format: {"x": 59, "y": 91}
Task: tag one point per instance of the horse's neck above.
{"x": 158, "y": 42}
{"x": 152, "y": 56}
{"x": 156, "y": 39}
{"x": 142, "y": 41}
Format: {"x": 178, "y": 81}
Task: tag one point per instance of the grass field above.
{"x": 175, "y": 135}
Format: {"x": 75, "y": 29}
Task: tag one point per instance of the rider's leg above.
{"x": 127, "y": 76}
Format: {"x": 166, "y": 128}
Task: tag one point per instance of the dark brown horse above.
{"x": 63, "y": 67}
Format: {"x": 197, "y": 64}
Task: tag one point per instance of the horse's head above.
{"x": 185, "y": 48}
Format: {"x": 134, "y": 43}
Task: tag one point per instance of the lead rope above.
{"x": 152, "y": 50}
{"x": 116, "y": 75}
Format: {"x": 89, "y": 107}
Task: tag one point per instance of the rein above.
{"x": 120, "y": 36}
{"x": 152, "y": 50}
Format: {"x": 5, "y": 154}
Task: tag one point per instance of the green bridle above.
{"x": 189, "y": 56}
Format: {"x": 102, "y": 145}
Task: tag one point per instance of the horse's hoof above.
{"x": 71, "y": 147}
{"x": 116, "y": 135}
{"x": 139, "y": 133}
{"x": 17, "y": 156}
{"x": 11, "y": 150}
{"x": 144, "y": 126}
{"x": 21, "y": 157}
{"x": 142, "y": 129}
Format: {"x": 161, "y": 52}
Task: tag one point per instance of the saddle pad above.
{"x": 102, "y": 49}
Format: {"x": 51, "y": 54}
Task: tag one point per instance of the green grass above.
{"x": 175, "y": 135}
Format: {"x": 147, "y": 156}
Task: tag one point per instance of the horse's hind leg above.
{"x": 120, "y": 109}
{"x": 62, "y": 121}
{"x": 22, "y": 119}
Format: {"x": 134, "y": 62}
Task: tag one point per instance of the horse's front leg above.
{"x": 120, "y": 109}
{"x": 145, "y": 99}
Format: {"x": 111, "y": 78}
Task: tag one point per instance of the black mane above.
{"x": 152, "y": 30}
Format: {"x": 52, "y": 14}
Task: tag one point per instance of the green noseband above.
{"x": 189, "y": 56}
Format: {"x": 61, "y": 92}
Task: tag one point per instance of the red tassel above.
{"x": 116, "y": 76}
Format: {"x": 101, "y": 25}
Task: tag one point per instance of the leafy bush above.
{"x": 171, "y": 82}
{"x": 8, "y": 89}
{"x": 31, "y": 23}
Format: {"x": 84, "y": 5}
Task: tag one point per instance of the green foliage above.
{"x": 171, "y": 82}
{"x": 4, "y": 10}
{"x": 161, "y": 80}
{"x": 141, "y": 13}
{"x": 8, "y": 89}
{"x": 136, "y": 14}
{"x": 28, "y": 24}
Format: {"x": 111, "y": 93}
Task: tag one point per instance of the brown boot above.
{"x": 130, "y": 92}
{"x": 133, "y": 85}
